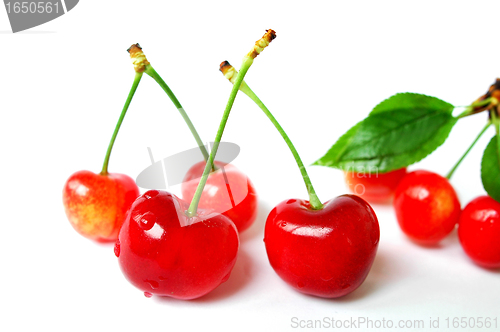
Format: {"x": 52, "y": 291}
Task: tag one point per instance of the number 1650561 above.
{"x": 26, "y": 7}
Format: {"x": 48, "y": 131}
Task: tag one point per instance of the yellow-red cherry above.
{"x": 96, "y": 205}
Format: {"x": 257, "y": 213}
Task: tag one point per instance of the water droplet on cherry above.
{"x": 151, "y": 193}
{"x": 300, "y": 284}
{"x": 117, "y": 248}
{"x": 291, "y": 201}
{"x": 148, "y": 294}
{"x": 283, "y": 224}
{"x": 326, "y": 277}
{"x": 147, "y": 221}
{"x": 154, "y": 284}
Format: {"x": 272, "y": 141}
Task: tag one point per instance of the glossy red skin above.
{"x": 376, "y": 187}
{"x": 163, "y": 252}
{"x": 326, "y": 253}
{"x": 479, "y": 231}
{"x": 96, "y": 205}
{"x": 216, "y": 193}
{"x": 427, "y": 207}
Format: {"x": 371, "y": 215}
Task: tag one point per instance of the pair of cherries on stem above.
{"x": 96, "y": 204}
{"x": 319, "y": 249}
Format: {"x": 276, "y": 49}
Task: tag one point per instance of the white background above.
{"x": 62, "y": 87}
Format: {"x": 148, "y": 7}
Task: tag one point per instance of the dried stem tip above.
{"x": 494, "y": 95}
{"x": 262, "y": 43}
{"x": 494, "y": 91}
{"x": 228, "y": 71}
{"x": 138, "y": 58}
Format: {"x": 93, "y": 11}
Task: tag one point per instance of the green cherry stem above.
{"x": 141, "y": 64}
{"x": 151, "y": 72}
{"x": 259, "y": 46}
{"x": 193, "y": 207}
{"x": 137, "y": 79}
{"x": 495, "y": 119}
{"x": 313, "y": 198}
{"x": 470, "y": 110}
{"x": 450, "y": 174}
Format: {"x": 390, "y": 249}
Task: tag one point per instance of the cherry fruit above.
{"x": 427, "y": 207}
{"x": 375, "y": 188}
{"x": 327, "y": 252}
{"x": 479, "y": 231}
{"x": 96, "y": 204}
{"x": 228, "y": 191}
{"x": 320, "y": 249}
{"x": 164, "y": 252}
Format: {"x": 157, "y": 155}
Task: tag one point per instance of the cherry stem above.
{"x": 313, "y": 198}
{"x": 469, "y": 110}
{"x": 137, "y": 79}
{"x": 495, "y": 119}
{"x": 193, "y": 207}
{"x": 151, "y": 72}
{"x": 450, "y": 174}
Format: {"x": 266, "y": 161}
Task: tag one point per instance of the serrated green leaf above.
{"x": 400, "y": 131}
{"x": 490, "y": 169}
{"x": 409, "y": 101}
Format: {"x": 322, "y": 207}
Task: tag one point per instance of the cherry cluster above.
{"x": 185, "y": 248}
{"x": 426, "y": 205}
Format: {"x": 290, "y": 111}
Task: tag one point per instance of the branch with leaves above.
{"x": 406, "y": 128}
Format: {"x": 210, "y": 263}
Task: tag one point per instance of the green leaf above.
{"x": 400, "y": 131}
{"x": 408, "y": 101}
{"x": 490, "y": 169}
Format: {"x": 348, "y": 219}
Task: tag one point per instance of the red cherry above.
{"x": 374, "y": 187}
{"x": 427, "y": 207}
{"x": 479, "y": 231}
{"x": 228, "y": 191}
{"x": 327, "y": 252}
{"x": 163, "y": 252}
{"x": 96, "y": 205}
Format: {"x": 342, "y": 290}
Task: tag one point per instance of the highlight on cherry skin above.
{"x": 374, "y": 187}
{"x": 228, "y": 191}
{"x": 479, "y": 231}
{"x": 163, "y": 252}
{"x": 96, "y": 205}
{"x": 326, "y": 253}
{"x": 427, "y": 207}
